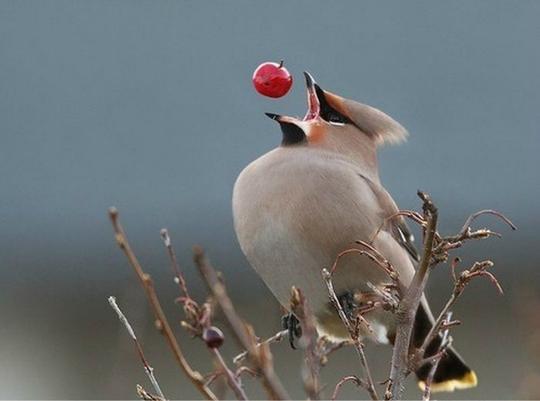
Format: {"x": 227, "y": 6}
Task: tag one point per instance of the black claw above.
{"x": 347, "y": 303}
{"x": 292, "y": 324}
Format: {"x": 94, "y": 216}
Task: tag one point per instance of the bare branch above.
{"x": 409, "y": 304}
{"x": 178, "y": 275}
{"x": 347, "y": 379}
{"x": 353, "y": 332}
{"x": 232, "y": 379}
{"x": 374, "y": 256}
{"x": 311, "y": 366}
{"x": 445, "y": 343}
{"x": 280, "y": 335}
{"x": 415, "y": 216}
{"x": 478, "y": 269}
{"x": 145, "y": 395}
{"x": 326, "y": 347}
{"x": 473, "y": 217}
{"x": 162, "y": 323}
{"x": 147, "y": 368}
{"x": 259, "y": 356}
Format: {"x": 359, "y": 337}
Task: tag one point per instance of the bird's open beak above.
{"x": 314, "y": 105}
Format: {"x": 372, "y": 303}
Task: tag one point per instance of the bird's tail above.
{"x": 452, "y": 372}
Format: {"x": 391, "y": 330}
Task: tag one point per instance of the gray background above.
{"x": 149, "y": 106}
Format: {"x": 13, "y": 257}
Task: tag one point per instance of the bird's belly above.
{"x": 289, "y": 252}
{"x": 290, "y": 229}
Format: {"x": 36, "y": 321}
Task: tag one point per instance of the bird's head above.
{"x": 336, "y": 123}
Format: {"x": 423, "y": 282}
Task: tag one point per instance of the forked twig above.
{"x": 347, "y": 379}
{"x": 280, "y": 335}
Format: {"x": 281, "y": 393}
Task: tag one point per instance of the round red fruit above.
{"x": 272, "y": 79}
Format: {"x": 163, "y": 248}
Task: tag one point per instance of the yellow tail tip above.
{"x": 467, "y": 381}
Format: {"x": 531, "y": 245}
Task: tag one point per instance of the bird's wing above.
{"x": 397, "y": 225}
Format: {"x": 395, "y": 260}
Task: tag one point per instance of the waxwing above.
{"x": 298, "y": 206}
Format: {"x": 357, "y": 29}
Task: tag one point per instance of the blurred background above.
{"x": 148, "y": 106}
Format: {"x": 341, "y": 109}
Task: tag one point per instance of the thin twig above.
{"x": 280, "y": 335}
{"x": 311, "y": 367}
{"x": 145, "y": 395}
{"x": 147, "y": 368}
{"x": 353, "y": 332}
{"x": 415, "y": 216}
{"x": 162, "y": 323}
{"x": 375, "y": 257}
{"x": 178, "y": 275}
{"x": 259, "y": 356}
{"x": 346, "y": 379}
{"x": 442, "y": 351}
{"x": 478, "y": 269}
{"x": 473, "y": 217}
{"x": 327, "y": 347}
{"x": 232, "y": 379}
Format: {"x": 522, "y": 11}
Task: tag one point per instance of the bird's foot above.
{"x": 348, "y": 303}
{"x": 292, "y": 324}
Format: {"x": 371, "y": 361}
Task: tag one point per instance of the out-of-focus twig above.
{"x": 260, "y": 356}
{"x": 161, "y": 322}
{"x": 147, "y": 368}
{"x": 232, "y": 379}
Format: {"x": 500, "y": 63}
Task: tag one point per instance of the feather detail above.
{"x": 376, "y": 124}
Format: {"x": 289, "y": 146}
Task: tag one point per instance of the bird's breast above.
{"x": 294, "y": 214}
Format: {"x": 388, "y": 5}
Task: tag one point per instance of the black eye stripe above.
{"x": 292, "y": 134}
{"x": 328, "y": 113}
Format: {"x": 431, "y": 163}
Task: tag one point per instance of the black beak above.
{"x": 292, "y": 133}
{"x": 310, "y": 81}
{"x": 314, "y": 101}
{"x": 273, "y": 116}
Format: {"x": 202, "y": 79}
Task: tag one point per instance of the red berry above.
{"x": 272, "y": 79}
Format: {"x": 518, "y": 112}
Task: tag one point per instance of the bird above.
{"x": 298, "y": 206}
